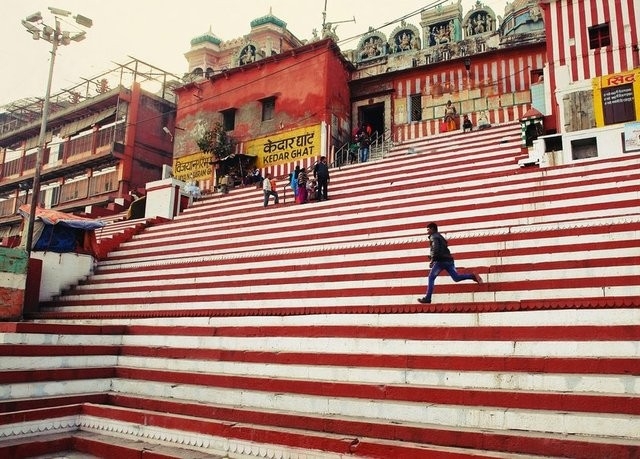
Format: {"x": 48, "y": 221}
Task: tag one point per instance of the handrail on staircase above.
{"x": 348, "y": 153}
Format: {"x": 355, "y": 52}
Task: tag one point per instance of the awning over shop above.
{"x": 54, "y": 217}
{"x": 233, "y": 156}
{"x": 82, "y": 124}
{"x": 32, "y": 142}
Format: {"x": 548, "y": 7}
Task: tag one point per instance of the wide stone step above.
{"x": 496, "y": 372}
{"x": 562, "y": 272}
{"x": 180, "y": 425}
{"x": 494, "y": 167}
{"x": 91, "y": 445}
{"x": 626, "y": 313}
{"x": 347, "y": 227}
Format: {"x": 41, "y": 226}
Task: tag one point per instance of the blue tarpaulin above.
{"x": 61, "y": 232}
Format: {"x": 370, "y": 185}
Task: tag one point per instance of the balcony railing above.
{"x": 8, "y": 207}
{"x": 80, "y": 146}
{"x": 94, "y": 143}
{"x": 89, "y": 187}
{"x": 103, "y": 183}
{"x": 74, "y": 190}
{"x": 73, "y": 149}
{"x": 12, "y": 168}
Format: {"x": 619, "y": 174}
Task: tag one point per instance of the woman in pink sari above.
{"x": 303, "y": 178}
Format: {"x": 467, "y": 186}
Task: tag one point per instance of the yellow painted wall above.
{"x": 193, "y": 167}
{"x": 286, "y": 147}
{"x": 615, "y": 79}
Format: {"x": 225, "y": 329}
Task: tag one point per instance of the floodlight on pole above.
{"x": 56, "y": 36}
{"x": 30, "y": 27}
{"x": 79, "y": 36}
{"x": 59, "y": 12}
{"x": 83, "y": 20}
{"x": 35, "y": 17}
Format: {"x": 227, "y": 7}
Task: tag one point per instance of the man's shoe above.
{"x": 477, "y": 278}
{"x": 424, "y": 300}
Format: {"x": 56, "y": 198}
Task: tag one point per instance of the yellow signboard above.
{"x": 286, "y": 147}
{"x": 616, "y": 96}
{"x": 193, "y": 167}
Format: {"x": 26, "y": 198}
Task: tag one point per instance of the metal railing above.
{"x": 349, "y": 153}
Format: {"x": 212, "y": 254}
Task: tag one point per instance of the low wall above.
{"x": 61, "y": 270}
{"x": 19, "y": 283}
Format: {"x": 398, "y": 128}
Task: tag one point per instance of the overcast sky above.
{"x": 159, "y": 32}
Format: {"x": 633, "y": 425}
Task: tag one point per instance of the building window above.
{"x": 415, "y": 107}
{"x": 599, "y": 36}
{"x": 537, "y": 75}
{"x": 229, "y": 119}
{"x": 584, "y": 148}
{"x": 268, "y": 108}
{"x": 52, "y": 197}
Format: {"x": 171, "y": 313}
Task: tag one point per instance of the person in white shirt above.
{"x": 268, "y": 191}
{"x": 483, "y": 122}
{"x": 193, "y": 189}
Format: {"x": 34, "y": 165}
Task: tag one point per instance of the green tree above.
{"x": 215, "y": 141}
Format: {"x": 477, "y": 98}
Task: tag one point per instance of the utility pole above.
{"x": 56, "y": 36}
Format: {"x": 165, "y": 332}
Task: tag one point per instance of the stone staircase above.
{"x": 119, "y": 229}
{"x": 293, "y": 331}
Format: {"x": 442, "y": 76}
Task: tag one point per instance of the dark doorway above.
{"x": 374, "y": 115}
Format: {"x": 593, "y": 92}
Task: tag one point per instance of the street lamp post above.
{"x": 56, "y": 36}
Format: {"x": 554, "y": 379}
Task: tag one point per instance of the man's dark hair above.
{"x": 433, "y": 226}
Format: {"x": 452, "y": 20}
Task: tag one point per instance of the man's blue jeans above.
{"x": 364, "y": 154}
{"x": 448, "y": 266}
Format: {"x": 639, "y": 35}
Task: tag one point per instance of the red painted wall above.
{"x": 147, "y": 146}
{"x": 309, "y": 85}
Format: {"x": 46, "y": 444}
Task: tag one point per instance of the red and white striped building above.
{"x": 497, "y": 83}
{"x": 587, "y": 39}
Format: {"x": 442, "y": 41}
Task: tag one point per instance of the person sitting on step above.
{"x": 450, "y": 117}
{"x": 483, "y": 122}
{"x": 466, "y": 124}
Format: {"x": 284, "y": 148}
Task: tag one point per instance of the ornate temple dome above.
{"x": 268, "y": 19}
{"x": 208, "y": 37}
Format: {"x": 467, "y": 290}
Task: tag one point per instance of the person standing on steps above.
{"x": 440, "y": 259}
{"x": 268, "y": 189}
{"x": 364, "y": 141}
{"x": 321, "y": 173}
{"x": 293, "y": 181}
{"x": 303, "y": 179}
